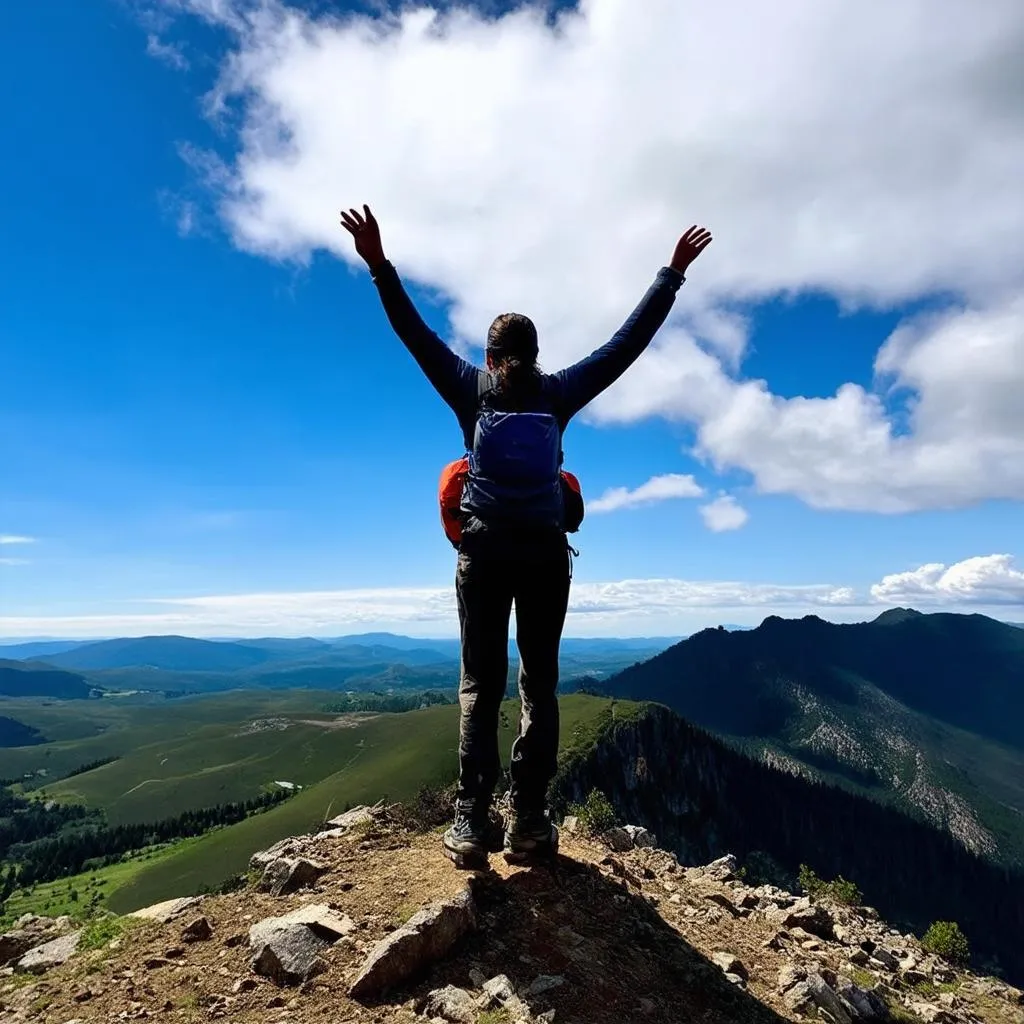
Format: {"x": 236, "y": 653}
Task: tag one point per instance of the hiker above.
{"x": 513, "y": 548}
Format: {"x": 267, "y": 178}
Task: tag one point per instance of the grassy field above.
{"x": 80, "y": 895}
{"x": 83, "y": 731}
{"x": 392, "y": 756}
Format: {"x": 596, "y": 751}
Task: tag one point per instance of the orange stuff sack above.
{"x": 449, "y": 494}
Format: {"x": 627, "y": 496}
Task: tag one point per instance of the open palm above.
{"x": 689, "y": 247}
{"x": 365, "y": 231}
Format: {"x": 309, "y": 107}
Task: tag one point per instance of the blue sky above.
{"x": 206, "y": 425}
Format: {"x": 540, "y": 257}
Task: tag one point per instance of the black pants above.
{"x": 488, "y": 580}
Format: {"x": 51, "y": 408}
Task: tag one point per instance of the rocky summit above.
{"x": 368, "y": 922}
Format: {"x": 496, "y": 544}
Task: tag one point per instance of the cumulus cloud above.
{"x": 986, "y": 580}
{"x": 869, "y": 154}
{"x": 724, "y": 513}
{"x": 658, "y": 488}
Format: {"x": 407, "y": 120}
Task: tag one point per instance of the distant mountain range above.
{"x": 925, "y": 711}
{"x": 362, "y": 661}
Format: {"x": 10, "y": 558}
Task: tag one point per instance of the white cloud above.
{"x": 724, "y": 514}
{"x": 15, "y": 538}
{"x": 620, "y": 607}
{"x": 594, "y": 607}
{"x": 986, "y": 579}
{"x": 616, "y": 132}
{"x": 170, "y": 54}
{"x": 658, "y": 488}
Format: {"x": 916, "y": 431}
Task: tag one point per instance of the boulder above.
{"x": 286, "y": 952}
{"x": 640, "y": 837}
{"x": 424, "y": 938}
{"x": 50, "y": 954}
{"x": 885, "y": 959}
{"x": 284, "y": 848}
{"x": 826, "y": 998}
{"x": 866, "y": 1004}
{"x": 321, "y": 918}
{"x": 289, "y": 874}
{"x": 197, "y": 930}
{"x": 451, "y": 1004}
{"x": 721, "y": 870}
{"x": 799, "y": 997}
{"x": 729, "y": 963}
{"x": 168, "y": 910}
{"x": 356, "y": 816}
{"x": 811, "y": 917}
{"x": 789, "y": 975}
{"x": 29, "y": 931}
{"x": 618, "y": 839}
{"x": 544, "y": 983}
{"x": 929, "y": 1013}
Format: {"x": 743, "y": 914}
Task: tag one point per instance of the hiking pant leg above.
{"x": 541, "y": 601}
{"x": 483, "y": 587}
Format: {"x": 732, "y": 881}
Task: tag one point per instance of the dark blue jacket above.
{"x": 459, "y": 383}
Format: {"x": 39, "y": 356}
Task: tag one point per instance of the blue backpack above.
{"x": 514, "y": 476}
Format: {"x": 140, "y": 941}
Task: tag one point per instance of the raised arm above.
{"x": 454, "y": 378}
{"x": 585, "y": 380}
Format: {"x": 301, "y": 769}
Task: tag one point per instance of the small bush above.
{"x": 945, "y": 939}
{"x": 431, "y": 807}
{"x": 596, "y": 814}
{"x": 839, "y": 889}
{"x": 100, "y": 931}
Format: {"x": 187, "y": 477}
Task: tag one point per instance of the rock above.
{"x": 547, "y": 1017}
{"x": 943, "y": 974}
{"x": 155, "y": 962}
{"x": 799, "y": 998}
{"x": 356, "y": 816}
{"x": 49, "y": 954}
{"x": 451, "y": 1004}
{"x": 498, "y": 990}
{"x": 866, "y": 1005}
{"x": 789, "y": 975}
{"x": 29, "y": 931}
{"x": 287, "y": 954}
{"x": 723, "y": 901}
{"x": 825, "y": 998}
{"x": 244, "y": 985}
{"x": 929, "y": 1013}
{"x": 424, "y": 938}
{"x": 618, "y": 839}
{"x": 640, "y": 837}
{"x": 286, "y": 848}
{"x": 321, "y": 918}
{"x": 859, "y": 958}
{"x": 168, "y": 910}
{"x": 812, "y": 917}
{"x": 544, "y": 983}
{"x": 289, "y": 874}
{"x": 912, "y": 977}
{"x": 729, "y": 963}
{"x": 723, "y": 870}
{"x": 571, "y": 823}
{"x": 197, "y": 930}
{"x": 287, "y": 949}
{"x": 885, "y": 958}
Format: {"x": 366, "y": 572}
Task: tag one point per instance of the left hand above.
{"x": 365, "y": 231}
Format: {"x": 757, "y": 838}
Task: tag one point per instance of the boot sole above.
{"x": 537, "y": 855}
{"x": 467, "y": 860}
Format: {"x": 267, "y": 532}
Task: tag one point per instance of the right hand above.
{"x": 689, "y": 247}
{"x": 365, "y": 231}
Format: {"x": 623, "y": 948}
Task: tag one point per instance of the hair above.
{"x": 512, "y": 346}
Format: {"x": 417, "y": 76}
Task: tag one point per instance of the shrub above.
{"x": 596, "y": 814}
{"x": 946, "y": 939}
{"x": 839, "y": 889}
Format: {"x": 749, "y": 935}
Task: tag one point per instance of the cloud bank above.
{"x": 638, "y": 607}
{"x": 871, "y": 153}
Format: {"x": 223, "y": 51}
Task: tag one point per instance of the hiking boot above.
{"x": 530, "y": 836}
{"x": 465, "y": 842}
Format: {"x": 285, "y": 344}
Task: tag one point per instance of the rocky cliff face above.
{"x": 703, "y": 800}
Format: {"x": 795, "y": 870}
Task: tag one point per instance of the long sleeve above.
{"x": 585, "y": 380}
{"x": 454, "y": 379}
